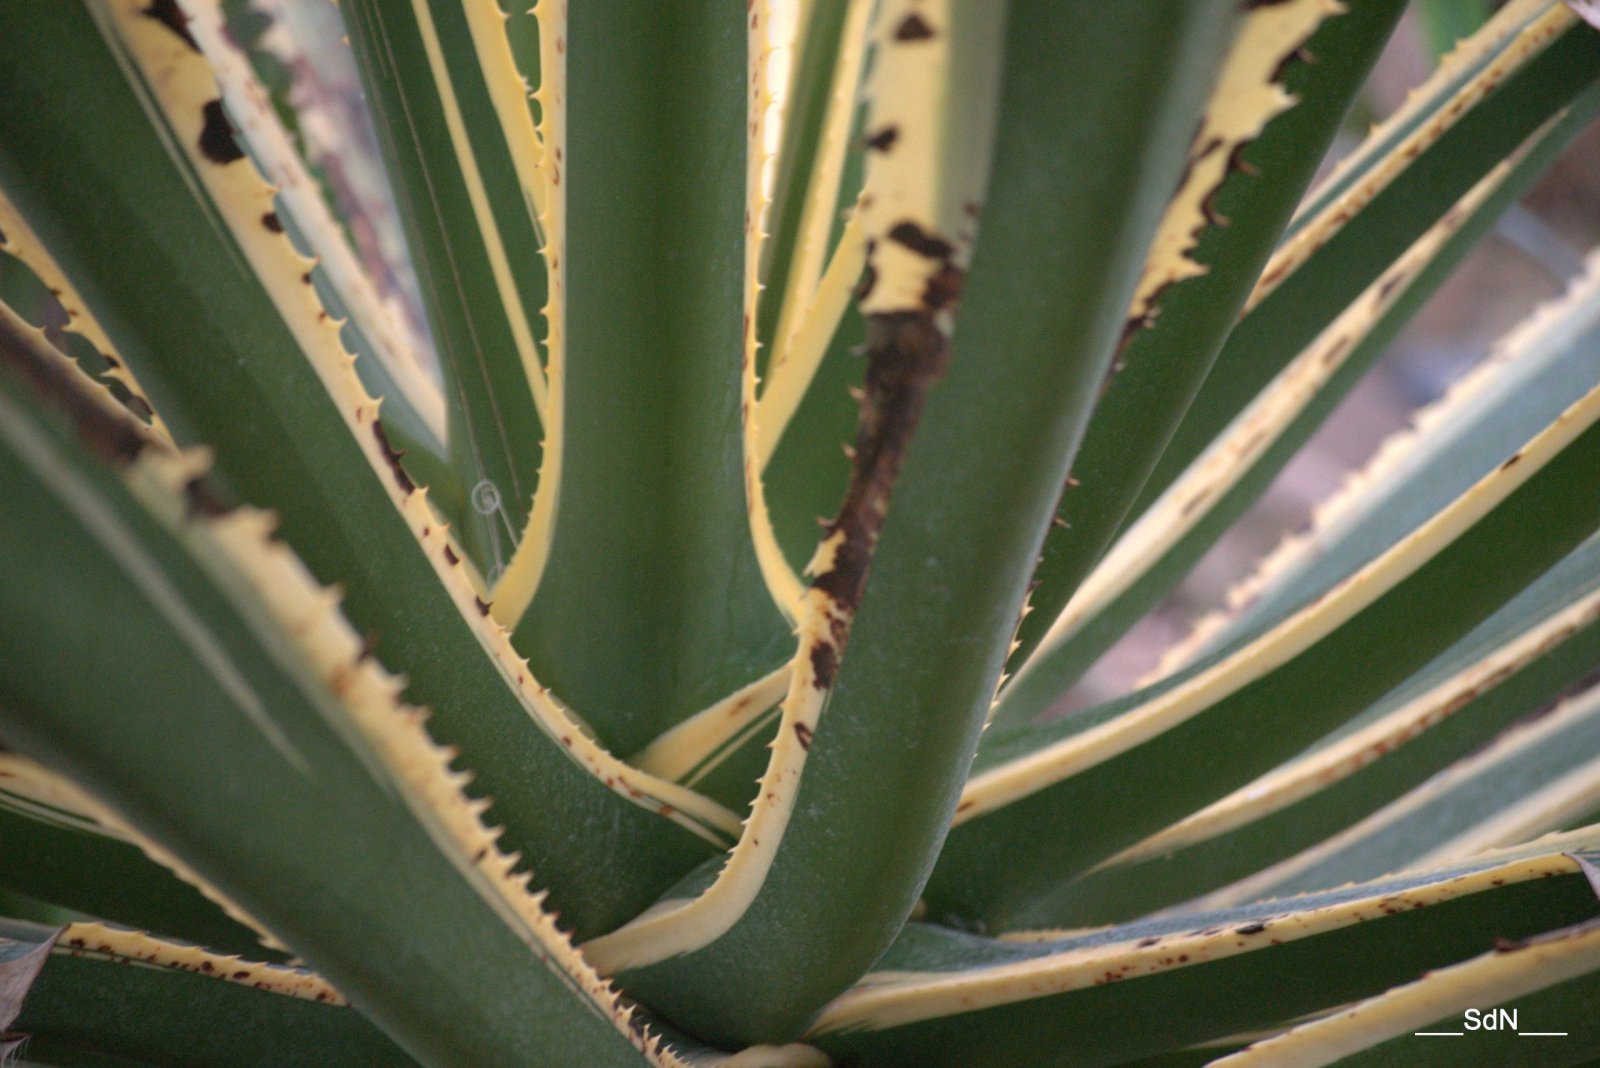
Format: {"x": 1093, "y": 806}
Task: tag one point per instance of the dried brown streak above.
{"x": 172, "y": 17}
{"x": 217, "y": 142}
{"x": 112, "y": 439}
{"x": 803, "y": 734}
{"x": 906, "y": 353}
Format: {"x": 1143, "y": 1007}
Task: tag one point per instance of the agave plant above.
{"x": 517, "y": 711}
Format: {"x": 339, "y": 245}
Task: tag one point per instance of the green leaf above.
{"x": 1534, "y": 373}
{"x": 1549, "y": 980}
{"x": 1543, "y": 641}
{"x": 105, "y": 992}
{"x": 829, "y": 868}
{"x": 1532, "y": 780}
{"x": 1158, "y": 549}
{"x": 1244, "y": 207}
{"x": 652, "y": 604}
{"x": 207, "y": 303}
{"x": 333, "y": 820}
{"x": 63, "y": 855}
{"x": 1527, "y": 652}
{"x": 463, "y": 161}
{"x": 940, "y": 997}
{"x": 1138, "y": 756}
{"x": 1446, "y": 22}
{"x": 1523, "y": 76}
{"x": 812, "y": 158}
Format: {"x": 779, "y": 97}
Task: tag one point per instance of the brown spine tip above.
{"x": 392, "y": 455}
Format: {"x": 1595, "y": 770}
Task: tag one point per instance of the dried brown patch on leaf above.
{"x": 218, "y": 140}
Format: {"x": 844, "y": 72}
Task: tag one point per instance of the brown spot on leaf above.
{"x": 803, "y": 734}
{"x": 883, "y": 140}
{"x": 172, "y": 17}
{"x": 1251, "y": 928}
{"x": 824, "y": 665}
{"x": 271, "y": 221}
{"x": 217, "y": 142}
{"x": 913, "y": 28}
{"x": 450, "y": 556}
{"x": 920, "y": 241}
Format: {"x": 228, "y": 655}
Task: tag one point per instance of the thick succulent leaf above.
{"x": 1530, "y": 64}
{"x": 653, "y": 604}
{"x": 940, "y": 997}
{"x": 110, "y": 992}
{"x": 1541, "y": 642}
{"x": 1138, "y": 755}
{"x": 826, "y": 64}
{"x": 1288, "y": 83}
{"x": 1550, "y": 981}
{"x": 861, "y": 775}
{"x": 208, "y": 303}
{"x": 1534, "y": 779}
{"x": 1155, "y": 552}
{"x": 1544, "y": 640}
{"x": 1537, "y": 370}
{"x": 64, "y": 848}
{"x": 721, "y": 750}
{"x": 459, "y": 142}
{"x": 147, "y": 623}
